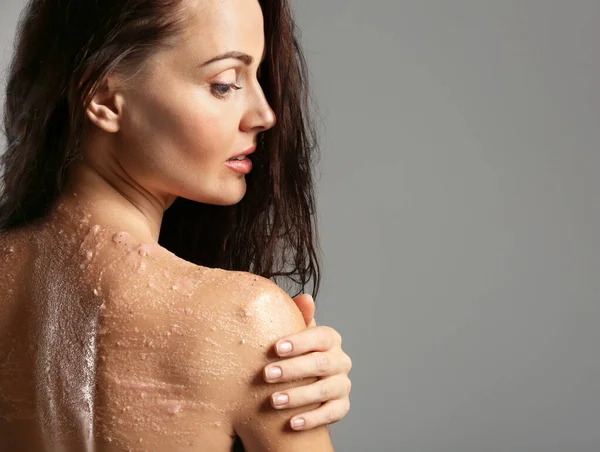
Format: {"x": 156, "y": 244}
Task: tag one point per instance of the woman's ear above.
{"x": 105, "y": 108}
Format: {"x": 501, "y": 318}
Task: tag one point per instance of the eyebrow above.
{"x": 244, "y": 57}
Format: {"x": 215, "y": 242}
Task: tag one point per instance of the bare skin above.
{"x": 153, "y": 356}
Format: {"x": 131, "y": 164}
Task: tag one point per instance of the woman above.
{"x": 137, "y": 247}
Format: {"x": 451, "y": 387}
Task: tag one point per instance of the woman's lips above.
{"x": 246, "y": 153}
{"x": 241, "y": 166}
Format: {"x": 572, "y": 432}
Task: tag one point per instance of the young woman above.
{"x": 157, "y": 175}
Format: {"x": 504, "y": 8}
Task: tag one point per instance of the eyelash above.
{"x": 228, "y": 92}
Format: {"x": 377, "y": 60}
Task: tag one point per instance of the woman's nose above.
{"x": 260, "y": 115}
{"x": 268, "y": 117}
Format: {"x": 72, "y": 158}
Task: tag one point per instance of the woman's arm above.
{"x": 259, "y": 316}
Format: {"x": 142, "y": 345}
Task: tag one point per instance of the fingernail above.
{"x": 298, "y": 422}
{"x": 281, "y": 399}
{"x": 284, "y": 347}
{"x": 273, "y": 373}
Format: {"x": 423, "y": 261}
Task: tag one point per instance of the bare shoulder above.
{"x": 256, "y": 314}
{"x": 238, "y": 316}
{"x": 258, "y": 305}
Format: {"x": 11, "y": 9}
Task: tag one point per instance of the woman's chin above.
{"x": 228, "y": 202}
{"x": 228, "y": 193}
{"x": 225, "y": 199}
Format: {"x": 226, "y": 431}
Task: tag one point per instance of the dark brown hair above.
{"x": 64, "y": 49}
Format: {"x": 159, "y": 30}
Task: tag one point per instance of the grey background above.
{"x": 459, "y": 216}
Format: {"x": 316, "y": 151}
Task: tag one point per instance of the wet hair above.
{"x": 63, "y": 51}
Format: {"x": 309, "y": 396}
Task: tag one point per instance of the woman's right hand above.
{"x": 316, "y": 352}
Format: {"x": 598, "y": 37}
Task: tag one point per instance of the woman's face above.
{"x": 184, "y": 119}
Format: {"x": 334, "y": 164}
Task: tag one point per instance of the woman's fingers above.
{"x": 328, "y": 413}
{"x": 318, "y": 338}
{"x": 314, "y": 352}
{"x": 316, "y": 364}
{"x": 306, "y": 304}
{"x": 334, "y": 387}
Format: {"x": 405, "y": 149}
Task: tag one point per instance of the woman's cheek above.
{"x": 213, "y": 135}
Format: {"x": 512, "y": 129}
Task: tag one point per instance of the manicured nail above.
{"x": 284, "y": 347}
{"x": 273, "y": 373}
{"x": 298, "y": 422}
{"x": 280, "y": 399}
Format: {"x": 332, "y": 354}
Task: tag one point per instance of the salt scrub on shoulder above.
{"x": 125, "y": 239}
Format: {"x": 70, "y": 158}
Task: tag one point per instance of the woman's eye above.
{"x": 222, "y": 90}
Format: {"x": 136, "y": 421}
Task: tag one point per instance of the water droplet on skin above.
{"x": 243, "y": 341}
{"x": 89, "y": 255}
{"x": 188, "y": 311}
{"x": 96, "y": 292}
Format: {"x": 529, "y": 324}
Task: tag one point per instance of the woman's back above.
{"x": 101, "y": 347}
{"x": 124, "y": 345}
